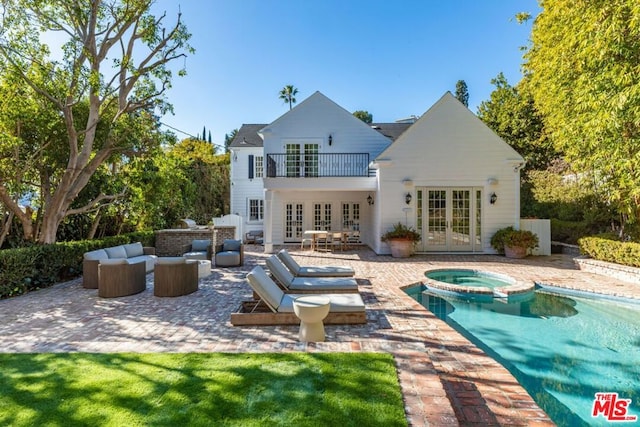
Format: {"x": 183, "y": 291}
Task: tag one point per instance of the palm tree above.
{"x": 287, "y": 94}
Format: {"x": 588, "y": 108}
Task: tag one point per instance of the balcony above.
{"x": 317, "y": 165}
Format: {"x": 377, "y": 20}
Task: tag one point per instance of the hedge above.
{"x": 610, "y": 250}
{"x": 35, "y": 267}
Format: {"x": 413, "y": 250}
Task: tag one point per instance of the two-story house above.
{"x": 317, "y": 167}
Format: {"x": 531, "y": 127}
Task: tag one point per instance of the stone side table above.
{"x": 311, "y": 310}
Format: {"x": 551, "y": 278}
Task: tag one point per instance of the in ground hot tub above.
{"x": 474, "y": 283}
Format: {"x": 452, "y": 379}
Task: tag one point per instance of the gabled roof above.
{"x": 391, "y": 130}
{"x": 247, "y": 135}
{"x": 448, "y": 115}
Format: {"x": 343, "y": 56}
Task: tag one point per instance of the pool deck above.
{"x": 445, "y": 380}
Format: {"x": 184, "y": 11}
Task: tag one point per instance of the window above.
{"x": 256, "y": 209}
{"x": 258, "y": 168}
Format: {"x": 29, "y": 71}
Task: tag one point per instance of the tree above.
{"x": 363, "y": 115}
{"x": 462, "y": 93}
{"x": 228, "y": 137}
{"x": 95, "y": 104}
{"x": 587, "y": 86}
{"x": 511, "y": 114}
{"x": 288, "y": 95}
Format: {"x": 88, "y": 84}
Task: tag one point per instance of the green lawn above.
{"x": 200, "y": 389}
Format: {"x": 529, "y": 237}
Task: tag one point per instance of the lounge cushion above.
{"x": 227, "y": 259}
{"x": 340, "y": 303}
{"x": 171, "y": 260}
{"x": 96, "y": 255}
{"x": 134, "y": 249}
{"x": 265, "y": 288}
{"x": 313, "y": 271}
{"x": 149, "y": 260}
{"x": 195, "y": 255}
{"x": 231, "y": 245}
{"x": 116, "y": 252}
{"x": 200, "y": 245}
{"x": 284, "y": 276}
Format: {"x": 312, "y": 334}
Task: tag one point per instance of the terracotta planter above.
{"x": 401, "y": 248}
{"x": 515, "y": 252}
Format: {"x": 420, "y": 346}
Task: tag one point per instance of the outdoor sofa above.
{"x": 131, "y": 253}
{"x": 118, "y": 277}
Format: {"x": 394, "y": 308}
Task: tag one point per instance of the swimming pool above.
{"x": 562, "y": 349}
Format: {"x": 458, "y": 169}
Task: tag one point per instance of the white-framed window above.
{"x": 258, "y": 166}
{"x": 256, "y": 209}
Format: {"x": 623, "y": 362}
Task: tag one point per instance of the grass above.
{"x": 200, "y": 389}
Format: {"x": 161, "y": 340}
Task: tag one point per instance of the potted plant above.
{"x": 514, "y": 243}
{"x": 401, "y": 239}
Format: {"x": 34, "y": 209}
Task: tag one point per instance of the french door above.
{"x": 302, "y": 160}
{"x": 293, "y": 222}
{"x": 449, "y": 219}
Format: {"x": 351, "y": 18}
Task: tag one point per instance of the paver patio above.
{"x": 445, "y": 379}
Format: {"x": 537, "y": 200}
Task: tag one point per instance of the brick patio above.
{"x": 445, "y": 379}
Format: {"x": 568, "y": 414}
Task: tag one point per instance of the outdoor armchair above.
{"x": 229, "y": 254}
{"x": 175, "y": 276}
{"x": 198, "y": 249}
{"x": 254, "y": 237}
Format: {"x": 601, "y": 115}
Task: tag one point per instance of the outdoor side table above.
{"x": 204, "y": 268}
{"x": 311, "y": 310}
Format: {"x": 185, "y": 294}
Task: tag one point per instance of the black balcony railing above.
{"x": 315, "y": 165}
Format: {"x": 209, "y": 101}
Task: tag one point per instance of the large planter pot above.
{"x": 515, "y": 252}
{"x": 401, "y": 248}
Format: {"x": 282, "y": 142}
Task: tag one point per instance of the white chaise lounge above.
{"x": 313, "y": 271}
{"x": 276, "y": 308}
{"x": 308, "y": 284}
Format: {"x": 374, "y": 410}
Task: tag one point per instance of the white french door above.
{"x": 293, "y": 222}
{"x": 449, "y": 219}
{"x": 302, "y": 160}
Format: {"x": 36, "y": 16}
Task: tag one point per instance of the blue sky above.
{"x": 391, "y": 58}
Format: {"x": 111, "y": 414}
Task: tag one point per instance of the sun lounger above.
{"x": 277, "y": 307}
{"x": 308, "y": 284}
{"x": 313, "y": 271}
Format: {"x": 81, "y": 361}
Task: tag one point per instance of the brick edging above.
{"x": 622, "y": 272}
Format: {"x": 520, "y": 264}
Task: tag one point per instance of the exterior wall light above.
{"x": 330, "y": 139}
{"x": 407, "y": 198}
{"x": 493, "y": 198}
{"x": 370, "y": 200}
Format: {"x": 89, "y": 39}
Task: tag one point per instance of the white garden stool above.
{"x": 311, "y": 310}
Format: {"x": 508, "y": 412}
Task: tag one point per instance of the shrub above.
{"x": 401, "y": 232}
{"x": 607, "y": 248}
{"x": 511, "y": 237}
{"x": 35, "y": 267}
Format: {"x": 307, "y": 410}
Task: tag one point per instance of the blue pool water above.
{"x": 562, "y": 349}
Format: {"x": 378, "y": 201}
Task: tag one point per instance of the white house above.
{"x": 319, "y": 167}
